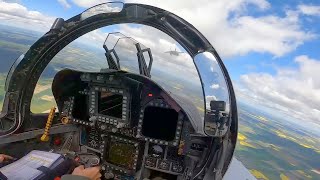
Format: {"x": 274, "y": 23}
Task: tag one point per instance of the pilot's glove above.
{"x": 80, "y": 173}
{"x": 4, "y": 158}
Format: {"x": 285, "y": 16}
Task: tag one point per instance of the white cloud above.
{"x": 309, "y": 10}
{"x": 215, "y": 86}
{"x": 88, "y": 4}
{"x": 65, "y": 4}
{"x": 209, "y": 99}
{"x": 295, "y": 92}
{"x": 232, "y": 32}
{"x": 225, "y": 23}
{"x": 96, "y": 37}
{"x": 17, "y": 15}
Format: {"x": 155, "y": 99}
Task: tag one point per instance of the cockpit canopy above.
{"x": 193, "y": 75}
{"x": 127, "y": 76}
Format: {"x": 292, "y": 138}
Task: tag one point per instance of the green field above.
{"x": 274, "y": 150}
{"x": 41, "y": 101}
{"x": 11, "y": 45}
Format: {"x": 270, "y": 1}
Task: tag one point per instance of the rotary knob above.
{"x": 177, "y": 168}
{"x": 109, "y": 175}
{"x": 164, "y": 165}
{"x": 93, "y": 143}
{"x": 114, "y": 130}
{"x": 157, "y": 151}
{"x": 151, "y": 162}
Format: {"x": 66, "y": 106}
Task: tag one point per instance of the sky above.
{"x": 269, "y": 47}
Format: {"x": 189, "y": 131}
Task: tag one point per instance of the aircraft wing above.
{"x": 238, "y": 171}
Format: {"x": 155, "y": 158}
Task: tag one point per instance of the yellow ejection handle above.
{"x": 45, "y": 136}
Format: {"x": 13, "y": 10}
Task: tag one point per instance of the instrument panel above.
{"x": 130, "y": 121}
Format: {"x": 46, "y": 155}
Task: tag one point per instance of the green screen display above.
{"x": 122, "y": 155}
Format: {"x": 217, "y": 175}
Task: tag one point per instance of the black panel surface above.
{"x": 160, "y": 123}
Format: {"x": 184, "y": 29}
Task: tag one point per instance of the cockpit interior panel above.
{"x": 124, "y": 117}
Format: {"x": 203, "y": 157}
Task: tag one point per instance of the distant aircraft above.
{"x": 174, "y": 53}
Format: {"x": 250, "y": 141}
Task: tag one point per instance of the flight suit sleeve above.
{"x": 73, "y": 177}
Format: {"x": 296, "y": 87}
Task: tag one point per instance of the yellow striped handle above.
{"x": 45, "y": 136}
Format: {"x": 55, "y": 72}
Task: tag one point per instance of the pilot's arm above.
{"x": 4, "y": 158}
{"x": 80, "y": 173}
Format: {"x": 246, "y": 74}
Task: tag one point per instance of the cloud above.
{"x": 309, "y": 10}
{"x": 295, "y": 92}
{"x": 65, "y": 4}
{"x": 19, "y": 16}
{"x": 232, "y": 32}
{"x": 215, "y": 86}
{"x": 209, "y": 99}
{"x": 225, "y": 23}
{"x": 88, "y": 4}
{"x": 96, "y": 36}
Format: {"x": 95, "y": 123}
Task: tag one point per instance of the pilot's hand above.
{"x": 93, "y": 173}
{"x": 4, "y": 158}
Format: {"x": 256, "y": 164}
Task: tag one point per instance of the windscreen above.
{"x": 140, "y": 48}
{"x": 134, "y": 48}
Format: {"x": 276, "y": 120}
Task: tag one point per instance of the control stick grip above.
{"x": 87, "y": 160}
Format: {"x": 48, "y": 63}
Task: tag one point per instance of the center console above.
{"x": 133, "y": 125}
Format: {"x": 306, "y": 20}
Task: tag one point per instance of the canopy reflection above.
{"x": 111, "y": 7}
{"x": 215, "y": 89}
